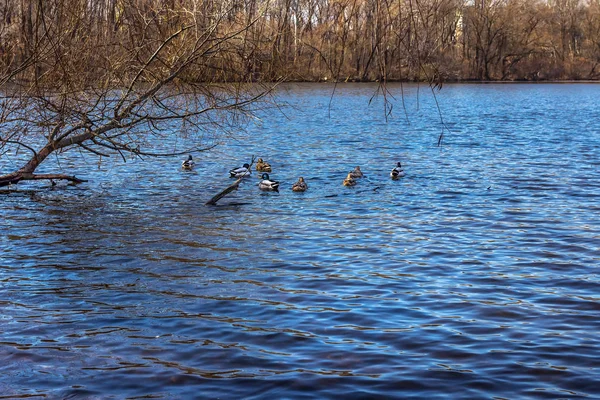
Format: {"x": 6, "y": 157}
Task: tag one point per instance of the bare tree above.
{"x": 110, "y": 77}
{"x": 160, "y": 71}
{"x": 591, "y": 43}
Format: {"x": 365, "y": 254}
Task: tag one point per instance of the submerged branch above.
{"x": 224, "y": 192}
{"x": 228, "y": 189}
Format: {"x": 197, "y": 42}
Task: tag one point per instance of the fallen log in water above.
{"x": 224, "y": 192}
{"x": 228, "y": 189}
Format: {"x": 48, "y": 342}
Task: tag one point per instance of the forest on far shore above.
{"x": 316, "y": 40}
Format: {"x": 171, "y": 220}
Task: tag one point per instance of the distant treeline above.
{"x": 314, "y": 40}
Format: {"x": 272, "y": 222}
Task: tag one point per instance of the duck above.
{"x": 349, "y": 181}
{"x": 268, "y": 184}
{"x": 356, "y": 173}
{"x": 240, "y": 172}
{"x": 300, "y": 186}
{"x": 263, "y": 166}
{"x": 188, "y": 164}
{"x": 397, "y": 171}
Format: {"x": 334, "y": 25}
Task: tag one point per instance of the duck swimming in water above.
{"x": 263, "y": 166}
{"x": 188, "y": 164}
{"x": 239, "y": 172}
{"x": 397, "y": 171}
{"x": 349, "y": 181}
{"x": 356, "y": 173}
{"x": 268, "y": 184}
{"x": 300, "y": 186}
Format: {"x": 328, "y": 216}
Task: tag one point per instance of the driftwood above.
{"x": 224, "y": 192}
{"x": 228, "y": 189}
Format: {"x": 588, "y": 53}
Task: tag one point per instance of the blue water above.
{"x": 474, "y": 276}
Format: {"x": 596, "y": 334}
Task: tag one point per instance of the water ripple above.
{"x": 474, "y": 276}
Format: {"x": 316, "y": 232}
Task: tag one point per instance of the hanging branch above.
{"x": 113, "y": 94}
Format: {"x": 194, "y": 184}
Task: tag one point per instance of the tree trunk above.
{"x": 26, "y": 173}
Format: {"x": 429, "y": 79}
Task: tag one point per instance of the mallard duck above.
{"x": 263, "y": 166}
{"x": 188, "y": 164}
{"x": 300, "y": 186}
{"x": 349, "y": 181}
{"x": 397, "y": 172}
{"x": 356, "y": 173}
{"x": 267, "y": 184}
{"x": 239, "y": 172}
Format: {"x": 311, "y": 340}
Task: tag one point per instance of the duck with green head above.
{"x": 397, "y": 171}
{"x": 267, "y": 184}
{"x": 240, "y": 172}
{"x": 188, "y": 164}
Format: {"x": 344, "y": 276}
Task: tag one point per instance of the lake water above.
{"x": 474, "y": 276}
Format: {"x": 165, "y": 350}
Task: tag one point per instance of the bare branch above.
{"x": 37, "y": 177}
{"x": 223, "y": 193}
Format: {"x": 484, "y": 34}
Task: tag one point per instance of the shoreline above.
{"x": 471, "y": 82}
{"x": 477, "y": 81}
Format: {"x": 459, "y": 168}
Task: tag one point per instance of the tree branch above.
{"x": 36, "y": 177}
{"x": 223, "y": 193}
